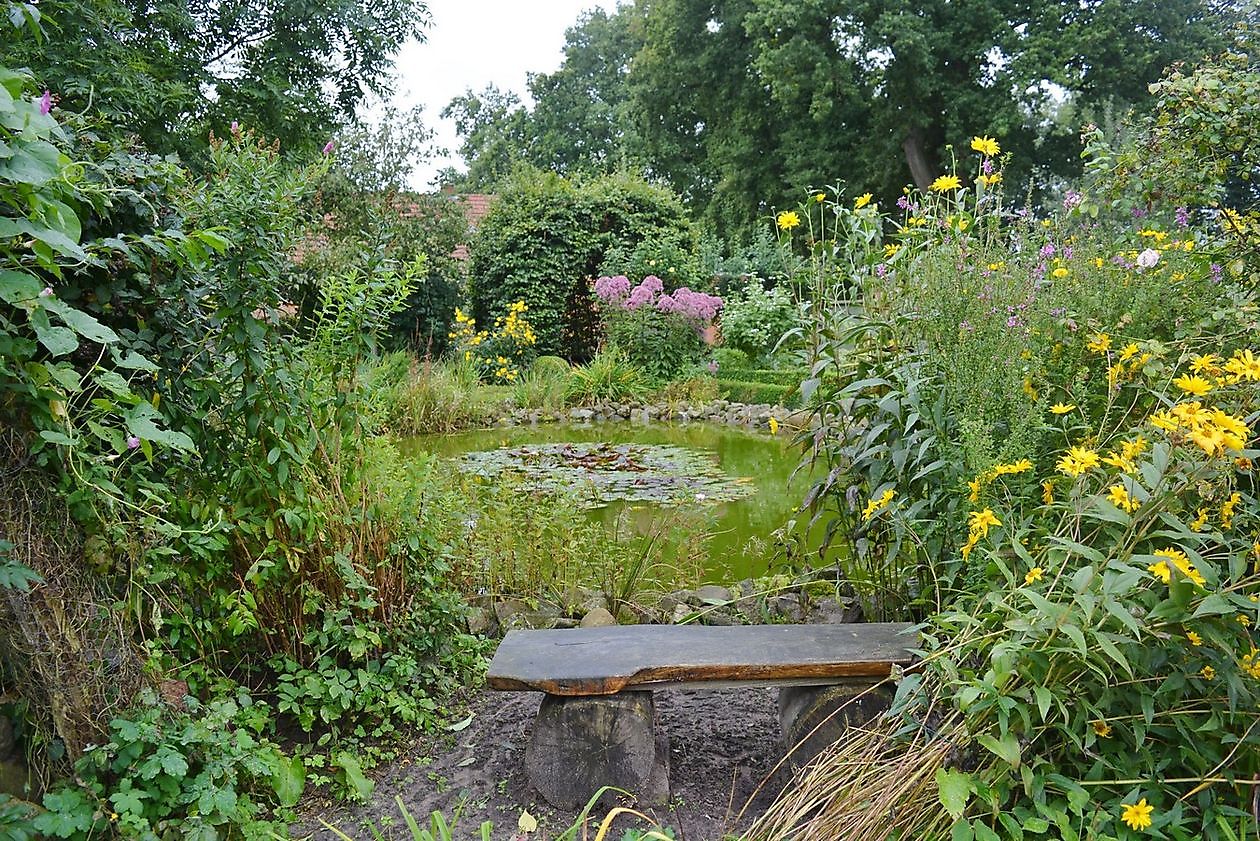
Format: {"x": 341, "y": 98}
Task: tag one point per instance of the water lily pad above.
{"x": 602, "y": 473}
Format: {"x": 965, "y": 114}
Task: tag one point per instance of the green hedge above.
{"x": 741, "y": 391}
{"x": 789, "y": 377}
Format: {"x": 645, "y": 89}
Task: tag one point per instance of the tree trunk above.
{"x": 921, "y": 169}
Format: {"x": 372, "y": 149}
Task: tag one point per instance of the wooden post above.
{"x": 815, "y": 717}
{"x": 581, "y": 743}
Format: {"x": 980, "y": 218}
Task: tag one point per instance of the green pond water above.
{"x": 741, "y": 544}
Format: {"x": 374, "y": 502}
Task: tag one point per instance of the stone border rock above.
{"x": 751, "y": 415}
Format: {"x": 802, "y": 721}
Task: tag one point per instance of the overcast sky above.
{"x": 474, "y": 43}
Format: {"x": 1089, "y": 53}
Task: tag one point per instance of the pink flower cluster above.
{"x": 695, "y": 306}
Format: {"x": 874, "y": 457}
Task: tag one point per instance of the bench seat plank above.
{"x": 602, "y": 661}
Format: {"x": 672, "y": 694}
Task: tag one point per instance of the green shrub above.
{"x": 607, "y": 377}
{"x": 756, "y": 392}
{"x": 757, "y": 319}
{"x": 690, "y": 391}
{"x": 551, "y": 365}
{"x": 543, "y": 386}
{"x": 203, "y": 772}
{"x": 545, "y": 239}
{"x": 775, "y": 376}
{"x": 728, "y": 358}
{"x": 412, "y": 397}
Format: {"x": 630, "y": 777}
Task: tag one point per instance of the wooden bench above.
{"x": 596, "y": 725}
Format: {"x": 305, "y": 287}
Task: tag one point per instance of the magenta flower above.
{"x": 132, "y": 442}
{"x": 713, "y": 366}
{"x": 46, "y": 292}
{"x": 45, "y": 102}
{"x": 236, "y": 127}
{"x": 1183, "y": 217}
{"x": 328, "y": 147}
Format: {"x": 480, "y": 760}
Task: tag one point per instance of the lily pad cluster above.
{"x": 603, "y": 473}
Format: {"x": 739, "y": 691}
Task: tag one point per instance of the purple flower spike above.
{"x": 45, "y": 102}
{"x": 132, "y": 442}
{"x": 328, "y": 147}
{"x": 1183, "y": 217}
{"x": 235, "y": 127}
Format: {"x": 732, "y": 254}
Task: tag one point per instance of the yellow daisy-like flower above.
{"x": 978, "y": 522}
{"x": 1208, "y": 672}
{"x": 862, "y": 201}
{"x": 1208, "y": 363}
{"x": 1102, "y": 728}
{"x": 1062, "y": 408}
{"x": 1119, "y": 496}
{"x": 1200, "y": 520}
{"x": 1047, "y": 492}
{"x": 1194, "y": 638}
{"x": 1078, "y": 460}
{"x": 1244, "y": 365}
{"x": 991, "y": 179}
{"x": 1137, "y": 815}
{"x": 788, "y": 219}
{"x": 820, "y": 197}
{"x": 985, "y": 146}
{"x": 1162, "y": 571}
{"x": 1061, "y": 271}
{"x": 1099, "y": 343}
{"x": 945, "y": 183}
{"x": 1193, "y": 384}
{"x": 1243, "y": 620}
{"x": 874, "y": 506}
{"x": 1034, "y": 574}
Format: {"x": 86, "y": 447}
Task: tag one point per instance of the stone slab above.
{"x": 602, "y": 661}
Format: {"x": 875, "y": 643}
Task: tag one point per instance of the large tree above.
{"x": 171, "y": 70}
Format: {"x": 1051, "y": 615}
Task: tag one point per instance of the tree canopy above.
{"x": 172, "y": 70}
{"x": 739, "y": 102}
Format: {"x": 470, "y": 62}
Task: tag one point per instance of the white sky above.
{"x": 474, "y": 43}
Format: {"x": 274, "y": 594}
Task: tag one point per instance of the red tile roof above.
{"x": 475, "y": 207}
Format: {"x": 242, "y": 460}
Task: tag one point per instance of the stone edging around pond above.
{"x": 754, "y": 415}
{"x": 710, "y": 604}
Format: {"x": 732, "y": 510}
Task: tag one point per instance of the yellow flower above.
{"x": 1244, "y": 365}
{"x": 975, "y": 485}
{"x": 1200, "y": 520}
{"x": 1021, "y": 466}
{"x": 1193, "y": 384}
{"x": 1102, "y": 728}
{"x": 1227, "y": 510}
{"x": 1047, "y": 492}
{"x": 820, "y": 197}
{"x": 774, "y": 426}
{"x": 1137, "y": 815}
{"x": 978, "y": 522}
{"x": 1162, "y": 571}
{"x": 788, "y": 219}
{"x": 1033, "y": 574}
{"x": 1208, "y": 363}
{"x": 985, "y": 146}
{"x": 1129, "y": 351}
{"x": 1077, "y": 460}
{"x": 945, "y": 183}
{"x": 1062, "y": 408}
{"x": 890, "y": 249}
{"x": 1243, "y": 620}
{"x": 862, "y": 201}
{"x": 1194, "y": 638}
{"x": 874, "y": 506}
{"x": 1119, "y": 496}
{"x": 1099, "y": 343}
{"x": 1061, "y": 271}
{"x": 1208, "y": 672}
{"x": 990, "y": 180}
{"x": 1165, "y": 420}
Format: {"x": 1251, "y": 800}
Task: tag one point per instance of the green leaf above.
{"x": 1215, "y": 604}
{"x": 17, "y": 288}
{"x": 954, "y": 789}
{"x": 361, "y": 787}
{"x": 87, "y": 326}
{"x": 288, "y": 779}
{"x": 1006, "y": 748}
{"x": 58, "y": 340}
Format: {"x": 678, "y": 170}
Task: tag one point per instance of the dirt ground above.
{"x": 723, "y": 743}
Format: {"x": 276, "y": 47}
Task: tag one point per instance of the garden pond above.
{"x": 744, "y": 479}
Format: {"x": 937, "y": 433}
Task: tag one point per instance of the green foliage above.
{"x": 755, "y": 320}
{"x": 544, "y": 240}
{"x": 661, "y": 344}
{"x": 756, "y": 392}
{"x": 607, "y": 377}
{"x": 544, "y": 386}
{"x": 204, "y": 772}
{"x": 172, "y": 71}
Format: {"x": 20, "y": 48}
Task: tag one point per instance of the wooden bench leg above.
{"x": 580, "y": 744}
{"x": 814, "y": 717}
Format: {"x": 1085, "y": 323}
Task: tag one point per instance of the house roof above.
{"x": 475, "y": 207}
